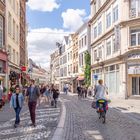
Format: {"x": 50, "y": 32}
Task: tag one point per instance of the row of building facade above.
{"x": 112, "y": 37}
{"x": 13, "y": 46}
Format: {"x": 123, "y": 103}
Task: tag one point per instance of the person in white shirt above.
{"x": 100, "y": 92}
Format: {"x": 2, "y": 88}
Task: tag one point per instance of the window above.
{"x": 111, "y": 68}
{"x": 115, "y": 47}
{"x": 115, "y": 14}
{"x": 108, "y": 20}
{"x": 17, "y": 58}
{"x": 95, "y": 55}
{"x": 108, "y": 47}
{"x": 1, "y": 31}
{"x": 9, "y": 24}
{"x": 95, "y": 32}
{"x": 85, "y": 40}
{"x": 134, "y": 8}
{"x": 79, "y": 43}
{"x": 99, "y": 3}
{"x": 82, "y": 42}
{"x": 9, "y": 49}
{"x": 14, "y": 56}
{"x": 13, "y": 29}
{"x": 17, "y": 34}
{"x": 99, "y": 28}
{"x": 100, "y": 52}
{"x": 135, "y": 37}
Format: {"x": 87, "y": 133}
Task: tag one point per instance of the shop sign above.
{"x": 23, "y": 68}
{"x": 134, "y": 56}
{"x": 134, "y": 70}
{"x": 95, "y": 77}
{"x": 117, "y": 36}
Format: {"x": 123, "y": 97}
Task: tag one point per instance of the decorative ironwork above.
{"x": 132, "y": 13}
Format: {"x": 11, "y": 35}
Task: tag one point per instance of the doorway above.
{"x": 135, "y": 85}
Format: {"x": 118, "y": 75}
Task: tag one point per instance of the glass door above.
{"x": 135, "y": 85}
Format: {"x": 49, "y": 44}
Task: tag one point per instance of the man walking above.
{"x": 32, "y": 94}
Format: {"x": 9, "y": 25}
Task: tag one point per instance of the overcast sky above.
{"x": 48, "y": 21}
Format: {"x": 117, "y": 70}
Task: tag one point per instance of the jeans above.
{"x": 17, "y": 111}
{"x": 32, "y": 108}
{"x": 55, "y": 102}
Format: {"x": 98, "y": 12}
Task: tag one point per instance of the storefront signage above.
{"x": 134, "y": 70}
{"x": 117, "y": 36}
{"x": 23, "y": 68}
{"x": 95, "y": 77}
{"x": 134, "y": 56}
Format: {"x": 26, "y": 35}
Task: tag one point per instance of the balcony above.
{"x": 134, "y": 13}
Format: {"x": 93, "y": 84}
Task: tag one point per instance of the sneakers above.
{"x": 34, "y": 125}
{"x": 15, "y": 125}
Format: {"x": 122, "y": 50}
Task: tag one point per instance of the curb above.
{"x": 59, "y": 132}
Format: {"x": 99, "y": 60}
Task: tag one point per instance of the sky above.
{"x": 48, "y": 21}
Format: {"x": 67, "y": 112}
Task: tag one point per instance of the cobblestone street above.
{"x": 82, "y": 123}
{"x": 46, "y": 118}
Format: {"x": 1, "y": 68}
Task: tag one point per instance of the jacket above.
{"x": 55, "y": 93}
{"x": 33, "y": 96}
{"x": 20, "y": 100}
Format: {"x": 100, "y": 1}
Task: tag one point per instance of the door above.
{"x": 135, "y": 85}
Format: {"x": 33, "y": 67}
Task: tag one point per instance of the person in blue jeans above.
{"x": 17, "y": 100}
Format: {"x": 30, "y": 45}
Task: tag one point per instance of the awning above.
{"x": 80, "y": 78}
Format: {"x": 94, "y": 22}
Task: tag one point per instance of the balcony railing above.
{"x": 134, "y": 13}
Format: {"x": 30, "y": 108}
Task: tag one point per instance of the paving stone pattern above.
{"x": 46, "y": 118}
{"x": 82, "y": 123}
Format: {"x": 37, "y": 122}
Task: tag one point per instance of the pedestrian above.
{"x": 32, "y": 94}
{"x": 17, "y": 100}
{"x": 86, "y": 91}
{"x": 47, "y": 94}
{"x": 1, "y": 95}
{"x": 79, "y": 91}
{"x": 65, "y": 89}
{"x": 55, "y": 94}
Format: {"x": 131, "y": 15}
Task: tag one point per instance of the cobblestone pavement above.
{"x": 82, "y": 123}
{"x": 46, "y": 119}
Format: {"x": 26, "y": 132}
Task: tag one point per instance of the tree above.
{"x": 87, "y": 72}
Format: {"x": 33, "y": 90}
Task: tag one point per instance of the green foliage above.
{"x": 87, "y": 72}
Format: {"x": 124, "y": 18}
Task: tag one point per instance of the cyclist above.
{"x": 100, "y": 92}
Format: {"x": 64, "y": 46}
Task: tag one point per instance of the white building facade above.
{"x": 12, "y": 37}
{"x": 115, "y": 46}
{"x": 82, "y": 48}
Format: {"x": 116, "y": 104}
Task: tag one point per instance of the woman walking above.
{"x": 48, "y": 94}
{"x": 16, "y": 102}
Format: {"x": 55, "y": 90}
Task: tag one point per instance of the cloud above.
{"x": 73, "y": 19}
{"x": 42, "y": 42}
{"x": 43, "y": 5}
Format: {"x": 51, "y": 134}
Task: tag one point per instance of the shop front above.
{"x": 3, "y": 68}
{"x": 133, "y": 66}
{"x": 110, "y": 74}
